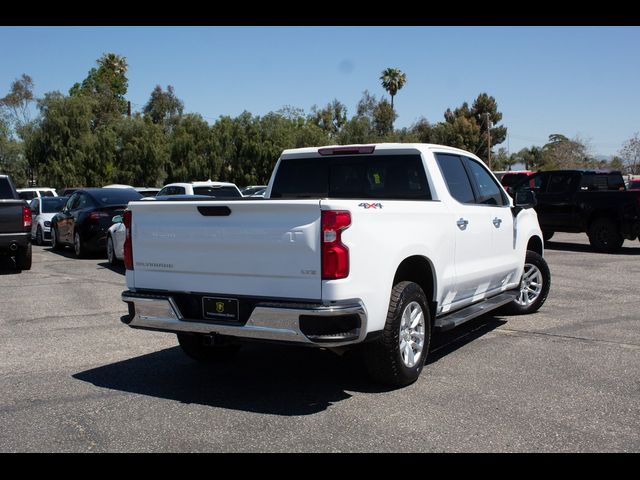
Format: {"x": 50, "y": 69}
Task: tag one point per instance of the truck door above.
{"x": 473, "y": 233}
{"x": 493, "y": 201}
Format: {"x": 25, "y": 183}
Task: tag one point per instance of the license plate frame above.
{"x": 221, "y": 309}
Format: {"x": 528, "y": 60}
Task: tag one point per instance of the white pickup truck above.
{"x": 365, "y": 244}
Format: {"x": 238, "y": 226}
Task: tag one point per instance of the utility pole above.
{"x": 128, "y": 109}
{"x": 489, "y": 139}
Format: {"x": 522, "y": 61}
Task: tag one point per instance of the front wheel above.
{"x": 197, "y": 347}
{"x": 78, "y": 247}
{"x": 398, "y": 355}
{"x": 55, "y": 242}
{"x": 111, "y": 253}
{"x": 534, "y": 286}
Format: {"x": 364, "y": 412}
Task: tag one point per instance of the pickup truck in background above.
{"x": 590, "y": 201}
{"x": 363, "y": 245}
{"x": 15, "y": 225}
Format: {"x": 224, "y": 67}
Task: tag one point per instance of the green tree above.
{"x": 12, "y": 160}
{"x": 191, "y": 151}
{"x": 331, "y": 118}
{"x": 561, "y": 153}
{"x": 17, "y": 104}
{"x": 383, "y": 118}
{"x": 164, "y": 108}
{"x": 393, "y": 80}
{"x": 107, "y": 84}
{"x": 630, "y": 155}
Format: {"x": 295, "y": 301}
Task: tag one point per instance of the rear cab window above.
{"x": 380, "y": 177}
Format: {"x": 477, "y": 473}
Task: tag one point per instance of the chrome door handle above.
{"x": 496, "y": 222}
{"x": 462, "y": 224}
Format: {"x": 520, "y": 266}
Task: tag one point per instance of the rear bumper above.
{"x": 311, "y": 324}
{"x": 10, "y": 242}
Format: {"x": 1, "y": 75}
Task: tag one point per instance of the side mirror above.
{"x": 117, "y": 219}
{"x": 525, "y": 199}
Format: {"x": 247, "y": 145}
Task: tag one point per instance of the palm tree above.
{"x": 393, "y": 80}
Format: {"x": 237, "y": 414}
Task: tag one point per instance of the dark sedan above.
{"x": 84, "y": 221}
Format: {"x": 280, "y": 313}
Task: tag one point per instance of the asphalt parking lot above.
{"x": 73, "y": 378}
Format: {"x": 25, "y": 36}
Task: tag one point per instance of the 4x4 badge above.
{"x": 367, "y": 206}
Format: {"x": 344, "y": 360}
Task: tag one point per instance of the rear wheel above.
{"x": 23, "y": 258}
{"x": 39, "y": 238}
{"x": 604, "y": 235}
{"x": 205, "y": 348}
{"x": 398, "y": 356}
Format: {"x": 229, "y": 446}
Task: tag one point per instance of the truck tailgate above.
{"x": 11, "y": 216}
{"x": 262, "y": 248}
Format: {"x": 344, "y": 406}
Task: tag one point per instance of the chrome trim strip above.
{"x": 269, "y": 321}
{"x": 15, "y": 234}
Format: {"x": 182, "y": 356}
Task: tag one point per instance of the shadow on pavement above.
{"x": 119, "y": 268}
{"x": 8, "y": 266}
{"x": 581, "y": 247}
{"x": 263, "y": 378}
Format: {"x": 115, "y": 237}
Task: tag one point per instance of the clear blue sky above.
{"x": 572, "y": 80}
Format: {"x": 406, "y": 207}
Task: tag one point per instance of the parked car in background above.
{"x": 29, "y": 194}
{"x": 43, "y": 209}
{"x": 252, "y": 190}
{"x": 515, "y": 176}
{"x": 115, "y": 240}
{"x": 591, "y": 201}
{"x": 68, "y": 191}
{"x": 85, "y": 219}
{"x": 147, "y": 191}
{"x": 211, "y": 189}
{"x": 633, "y": 184}
{"x": 117, "y": 185}
{"x": 15, "y": 225}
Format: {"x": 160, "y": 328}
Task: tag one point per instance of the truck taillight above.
{"x": 26, "y": 218}
{"x": 128, "y": 247}
{"x": 335, "y": 255}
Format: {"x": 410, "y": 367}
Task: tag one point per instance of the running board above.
{"x": 452, "y": 320}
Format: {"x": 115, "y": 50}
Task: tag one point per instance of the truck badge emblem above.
{"x": 367, "y": 206}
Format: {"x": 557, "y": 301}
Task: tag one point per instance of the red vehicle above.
{"x": 634, "y": 184}
{"x": 513, "y": 177}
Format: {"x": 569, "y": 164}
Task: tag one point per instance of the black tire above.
{"x": 23, "y": 258}
{"x": 111, "y": 253}
{"x": 604, "y": 235}
{"x": 39, "y": 237}
{"x": 547, "y": 234}
{"x": 195, "y": 347}
{"x": 517, "y": 307}
{"x": 55, "y": 241}
{"x": 78, "y": 247}
{"x": 383, "y": 357}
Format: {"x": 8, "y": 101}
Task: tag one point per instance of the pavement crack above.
{"x": 567, "y": 337}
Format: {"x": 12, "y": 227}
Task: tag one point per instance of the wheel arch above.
{"x": 420, "y": 270}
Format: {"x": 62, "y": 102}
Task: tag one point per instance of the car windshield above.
{"x": 117, "y": 196}
{"x": 510, "y": 179}
{"x": 218, "y": 192}
{"x": 53, "y": 204}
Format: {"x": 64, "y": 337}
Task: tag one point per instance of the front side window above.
{"x": 489, "y": 193}
{"x": 455, "y": 177}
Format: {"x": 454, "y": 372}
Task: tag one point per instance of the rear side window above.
{"x": 455, "y": 177}
{"x": 217, "y": 192}
{"x": 560, "y": 183}
{"x": 46, "y": 193}
{"x": 391, "y": 177}
{"x": 5, "y": 189}
{"x": 602, "y": 182}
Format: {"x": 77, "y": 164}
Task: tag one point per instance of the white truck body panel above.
{"x": 264, "y": 249}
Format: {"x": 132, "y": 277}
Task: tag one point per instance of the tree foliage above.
{"x": 164, "y": 108}
{"x": 630, "y": 155}
{"x": 393, "y": 79}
